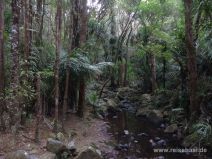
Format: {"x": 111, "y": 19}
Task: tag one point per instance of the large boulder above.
{"x": 48, "y": 155}
{"x": 162, "y": 99}
{"x": 111, "y": 103}
{"x": 143, "y": 111}
{"x": 124, "y": 92}
{"x": 154, "y": 116}
{"x": 55, "y": 146}
{"x": 171, "y": 128}
{"x": 71, "y": 146}
{"x": 20, "y": 154}
{"x": 60, "y": 137}
{"x": 146, "y": 100}
{"x": 89, "y": 153}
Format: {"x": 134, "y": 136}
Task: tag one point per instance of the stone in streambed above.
{"x": 155, "y": 116}
{"x": 72, "y": 148}
{"x": 60, "y": 137}
{"x": 161, "y": 143}
{"x": 55, "y": 146}
{"x": 20, "y": 154}
{"x": 171, "y": 128}
{"x": 89, "y": 153}
{"x": 111, "y": 103}
{"x": 48, "y": 155}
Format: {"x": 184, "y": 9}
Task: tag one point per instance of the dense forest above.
{"x": 113, "y": 79}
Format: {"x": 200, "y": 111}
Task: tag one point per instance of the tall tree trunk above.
{"x": 58, "y": 20}
{"x": 126, "y": 56}
{"x": 39, "y": 108}
{"x": 26, "y": 34}
{"x": 2, "y": 63}
{"x": 83, "y": 34}
{"x": 164, "y": 73}
{"x": 65, "y": 98}
{"x": 152, "y": 62}
{"x": 1, "y": 47}
{"x": 15, "y": 110}
{"x": 191, "y": 60}
{"x": 113, "y": 42}
{"x": 76, "y": 25}
{"x": 30, "y": 23}
{"x": 39, "y": 21}
{"x": 41, "y": 12}
{"x": 81, "y": 100}
{"x": 83, "y": 22}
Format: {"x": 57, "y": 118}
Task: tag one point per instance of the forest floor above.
{"x": 88, "y": 131}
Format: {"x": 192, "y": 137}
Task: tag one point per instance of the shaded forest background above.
{"x": 50, "y": 51}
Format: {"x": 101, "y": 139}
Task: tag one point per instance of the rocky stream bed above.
{"x": 130, "y": 127}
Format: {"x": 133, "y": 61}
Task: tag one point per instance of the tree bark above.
{"x": 191, "y": 60}
{"x": 39, "y": 22}
{"x": 83, "y": 22}
{"x": 39, "y": 108}
{"x": 15, "y": 110}
{"x": 1, "y": 47}
{"x": 76, "y": 24}
{"x": 26, "y": 34}
{"x": 126, "y": 56}
{"x": 83, "y": 36}
{"x": 65, "y": 98}
{"x": 152, "y": 61}
{"x": 164, "y": 73}
{"x": 2, "y": 86}
{"x": 58, "y": 21}
{"x": 81, "y": 100}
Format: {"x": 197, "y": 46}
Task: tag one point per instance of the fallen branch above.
{"x": 29, "y": 138}
{"x": 48, "y": 123}
{"x": 100, "y": 94}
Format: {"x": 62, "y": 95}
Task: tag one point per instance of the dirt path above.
{"x": 88, "y": 131}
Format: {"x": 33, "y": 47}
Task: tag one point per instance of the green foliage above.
{"x": 92, "y": 97}
{"x": 47, "y": 83}
{"x": 200, "y": 133}
{"x": 80, "y": 65}
{"x": 131, "y": 72}
{"x": 42, "y": 57}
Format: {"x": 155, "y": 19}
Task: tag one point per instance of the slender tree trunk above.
{"x": 125, "y": 70}
{"x": 65, "y": 98}
{"x": 81, "y": 100}
{"x": 38, "y": 21}
{"x": 30, "y": 24}
{"x": 126, "y": 56}
{"x": 26, "y": 34}
{"x": 42, "y": 21}
{"x": 44, "y": 106}
{"x": 15, "y": 110}
{"x": 76, "y": 24}
{"x": 153, "y": 72}
{"x": 113, "y": 44}
{"x": 39, "y": 109}
{"x": 83, "y": 22}
{"x": 83, "y": 34}
{"x": 58, "y": 21}
{"x": 191, "y": 60}
{"x": 164, "y": 73}
{"x": 1, "y": 47}
{"x": 2, "y": 63}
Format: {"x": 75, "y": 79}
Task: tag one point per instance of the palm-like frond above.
{"x": 80, "y": 65}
